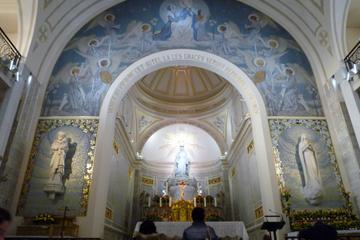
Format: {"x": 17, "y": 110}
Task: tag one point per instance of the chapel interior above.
{"x": 116, "y": 112}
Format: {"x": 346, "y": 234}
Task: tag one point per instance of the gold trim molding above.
{"x": 88, "y": 126}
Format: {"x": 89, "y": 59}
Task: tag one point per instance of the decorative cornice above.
{"x": 126, "y": 145}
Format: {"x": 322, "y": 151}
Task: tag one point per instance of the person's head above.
{"x": 266, "y": 237}
{"x": 5, "y": 219}
{"x": 198, "y": 214}
{"x": 147, "y": 227}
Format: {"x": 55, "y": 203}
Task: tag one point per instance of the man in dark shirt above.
{"x": 318, "y": 232}
{"x": 199, "y": 230}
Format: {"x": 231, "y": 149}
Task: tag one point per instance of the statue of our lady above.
{"x": 312, "y": 188}
{"x": 182, "y": 163}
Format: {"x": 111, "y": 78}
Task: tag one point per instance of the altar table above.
{"x": 222, "y": 229}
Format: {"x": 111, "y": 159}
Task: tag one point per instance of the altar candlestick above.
{"x": 204, "y": 201}
{"x": 149, "y": 201}
{"x": 194, "y": 201}
{"x": 160, "y": 202}
{"x": 169, "y": 201}
{"x": 215, "y": 202}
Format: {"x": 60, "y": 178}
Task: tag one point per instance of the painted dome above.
{"x": 182, "y": 84}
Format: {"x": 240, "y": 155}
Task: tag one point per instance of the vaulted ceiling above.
{"x": 182, "y": 96}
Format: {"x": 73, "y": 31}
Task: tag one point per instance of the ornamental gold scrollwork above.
{"x": 87, "y": 126}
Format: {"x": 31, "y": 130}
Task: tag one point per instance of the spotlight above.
{"x": 333, "y": 81}
{"x": 30, "y": 78}
{"x": 17, "y": 76}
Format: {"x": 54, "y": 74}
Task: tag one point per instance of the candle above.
{"x": 169, "y": 201}
{"x": 160, "y": 202}
{"x": 194, "y": 201}
{"x": 167, "y": 187}
{"x": 204, "y": 201}
{"x": 149, "y": 201}
{"x": 215, "y": 202}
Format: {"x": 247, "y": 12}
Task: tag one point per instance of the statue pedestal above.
{"x": 54, "y": 187}
{"x": 187, "y": 186}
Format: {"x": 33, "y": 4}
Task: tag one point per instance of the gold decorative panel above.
{"x": 233, "y": 171}
{"x": 78, "y": 169}
{"x": 108, "y": 213}
{"x": 250, "y": 147}
{"x": 215, "y": 180}
{"x": 259, "y": 212}
{"x": 147, "y": 181}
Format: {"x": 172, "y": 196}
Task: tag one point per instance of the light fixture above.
{"x": 333, "y": 81}
{"x": 30, "y": 78}
{"x": 352, "y": 62}
{"x": 348, "y": 76}
{"x": 17, "y": 76}
{"x": 354, "y": 68}
{"x": 12, "y": 64}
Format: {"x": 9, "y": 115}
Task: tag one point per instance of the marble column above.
{"x": 136, "y": 211}
{"x": 352, "y": 103}
{"x": 225, "y": 178}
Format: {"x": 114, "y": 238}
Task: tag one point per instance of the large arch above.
{"x": 315, "y": 59}
{"x": 93, "y": 222}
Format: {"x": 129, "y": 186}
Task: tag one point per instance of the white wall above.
{"x": 119, "y": 197}
{"x": 244, "y": 183}
{"x": 244, "y": 186}
{"x": 352, "y": 37}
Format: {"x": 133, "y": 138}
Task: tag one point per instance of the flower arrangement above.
{"x": 44, "y": 218}
{"x": 285, "y": 197}
{"x": 341, "y": 219}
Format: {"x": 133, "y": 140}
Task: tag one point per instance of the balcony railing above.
{"x": 9, "y": 55}
{"x": 352, "y": 61}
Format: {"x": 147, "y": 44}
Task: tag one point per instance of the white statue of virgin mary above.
{"x": 312, "y": 188}
{"x": 182, "y": 163}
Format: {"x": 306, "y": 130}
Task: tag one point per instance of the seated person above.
{"x": 319, "y": 231}
{"x": 199, "y": 230}
{"x": 148, "y": 231}
{"x": 5, "y": 219}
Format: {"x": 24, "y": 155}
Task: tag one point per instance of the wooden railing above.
{"x": 9, "y": 56}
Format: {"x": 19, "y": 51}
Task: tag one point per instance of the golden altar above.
{"x": 163, "y": 209}
{"x": 181, "y": 211}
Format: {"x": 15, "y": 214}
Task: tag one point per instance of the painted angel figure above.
{"x": 312, "y": 188}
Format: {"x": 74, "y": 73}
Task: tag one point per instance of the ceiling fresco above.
{"x": 125, "y": 33}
